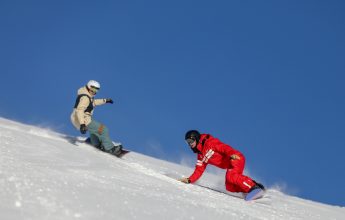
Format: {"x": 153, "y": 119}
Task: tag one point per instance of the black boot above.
{"x": 118, "y": 151}
{"x": 258, "y": 185}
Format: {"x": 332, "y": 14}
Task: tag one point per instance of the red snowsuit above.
{"x": 213, "y": 151}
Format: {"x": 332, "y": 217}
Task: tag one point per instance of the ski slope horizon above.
{"x": 46, "y": 175}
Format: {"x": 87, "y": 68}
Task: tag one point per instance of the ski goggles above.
{"x": 94, "y": 89}
{"x": 190, "y": 141}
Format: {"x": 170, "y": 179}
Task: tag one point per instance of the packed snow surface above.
{"x": 46, "y": 175}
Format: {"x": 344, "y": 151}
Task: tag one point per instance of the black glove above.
{"x": 83, "y": 129}
{"x": 109, "y": 101}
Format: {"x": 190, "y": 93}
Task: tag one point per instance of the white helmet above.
{"x": 94, "y": 84}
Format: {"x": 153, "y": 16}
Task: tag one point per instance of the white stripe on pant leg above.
{"x": 247, "y": 185}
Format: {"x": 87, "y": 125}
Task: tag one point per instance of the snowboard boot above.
{"x": 99, "y": 146}
{"x": 117, "y": 151}
{"x": 258, "y": 185}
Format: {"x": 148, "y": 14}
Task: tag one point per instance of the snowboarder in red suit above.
{"x": 211, "y": 150}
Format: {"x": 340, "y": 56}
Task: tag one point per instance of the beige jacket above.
{"x": 79, "y": 116}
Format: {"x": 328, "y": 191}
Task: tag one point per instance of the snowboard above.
{"x": 75, "y": 140}
{"x": 123, "y": 151}
{"x": 254, "y": 194}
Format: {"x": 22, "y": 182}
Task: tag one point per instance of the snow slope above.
{"x": 44, "y": 175}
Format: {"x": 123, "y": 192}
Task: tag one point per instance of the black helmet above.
{"x": 192, "y": 134}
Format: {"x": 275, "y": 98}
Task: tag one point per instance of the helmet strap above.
{"x": 195, "y": 150}
{"x": 89, "y": 90}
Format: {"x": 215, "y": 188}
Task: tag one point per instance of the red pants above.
{"x": 235, "y": 181}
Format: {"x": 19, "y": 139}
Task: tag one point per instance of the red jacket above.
{"x": 212, "y": 151}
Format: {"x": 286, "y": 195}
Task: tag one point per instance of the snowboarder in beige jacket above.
{"x": 82, "y": 120}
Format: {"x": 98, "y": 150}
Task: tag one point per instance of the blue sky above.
{"x": 266, "y": 77}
